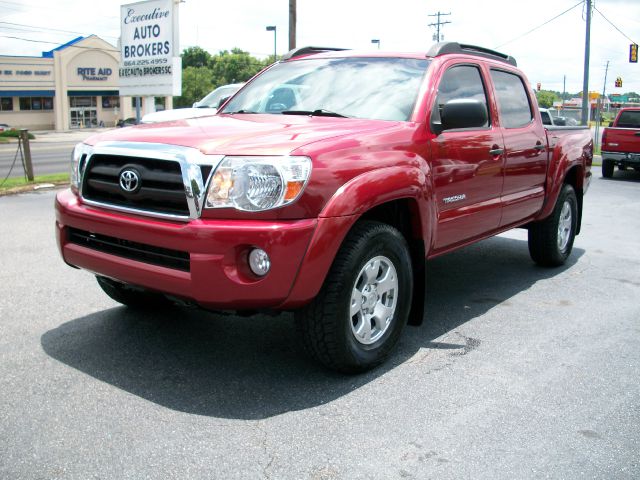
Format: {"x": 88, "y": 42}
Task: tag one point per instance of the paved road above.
{"x": 50, "y": 153}
{"x": 518, "y": 372}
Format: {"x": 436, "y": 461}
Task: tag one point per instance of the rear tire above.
{"x": 551, "y": 240}
{"x": 131, "y": 296}
{"x": 607, "y": 168}
{"x": 363, "y": 306}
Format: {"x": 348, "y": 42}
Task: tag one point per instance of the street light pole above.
{"x": 272, "y": 28}
{"x": 585, "y": 81}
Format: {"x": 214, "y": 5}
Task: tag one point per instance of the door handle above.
{"x": 496, "y": 151}
{"x": 637, "y": 134}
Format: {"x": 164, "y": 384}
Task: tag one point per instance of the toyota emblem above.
{"x": 129, "y": 181}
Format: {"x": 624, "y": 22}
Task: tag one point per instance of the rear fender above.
{"x": 565, "y": 158}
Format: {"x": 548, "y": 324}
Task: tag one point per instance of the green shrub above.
{"x": 13, "y": 133}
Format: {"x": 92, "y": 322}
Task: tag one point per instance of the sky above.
{"x": 547, "y": 54}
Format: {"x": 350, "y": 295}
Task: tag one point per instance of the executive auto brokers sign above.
{"x": 149, "y": 59}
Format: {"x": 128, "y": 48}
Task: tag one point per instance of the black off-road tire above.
{"x": 544, "y": 236}
{"x": 325, "y": 325}
{"x": 131, "y": 296}
{"x": 607, "y": 168}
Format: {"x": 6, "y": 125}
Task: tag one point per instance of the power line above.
{"x": 42, "y": 7}
{"x": 437, "y": 24}
{"x": 623, "y": 34}
{"x": 58, "y": 43}
{"x": 36, "y": 28}
{"x": 540, "y": 26}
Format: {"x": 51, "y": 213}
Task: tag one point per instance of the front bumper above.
{"x": 217, "y": 275}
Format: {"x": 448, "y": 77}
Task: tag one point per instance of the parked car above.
{"x": 207, "y": 106}
{"x": 549, "y": 119}
{"x": 127, "y": 122}
{"x": 621, "y": 142}
{"x": 4, "y": 127}
{"x": 327, "y": 200}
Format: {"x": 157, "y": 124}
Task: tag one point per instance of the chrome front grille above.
{"x": 157, "y": 180}
{"x": 161, "y": 188}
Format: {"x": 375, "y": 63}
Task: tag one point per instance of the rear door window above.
{"x": 513, "y": 101}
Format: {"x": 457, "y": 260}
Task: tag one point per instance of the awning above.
{"x": 93, "y": 93}
{"x": 27, "y": 93}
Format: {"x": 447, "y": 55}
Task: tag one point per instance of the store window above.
{"x": 35, "y": 103}
{"x": 110, "y": 102}
{"x": 77, "y": 102}
{"x": 6, "y": 104}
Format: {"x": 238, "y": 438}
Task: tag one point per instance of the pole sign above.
{"x": 149, "y": 54}
{"x": 633, "y": 53}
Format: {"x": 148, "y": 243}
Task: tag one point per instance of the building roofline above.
{"x": 49, "y": 54}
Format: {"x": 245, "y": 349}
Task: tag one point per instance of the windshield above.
{"x": 373, "y": 88}
{"x": 213, "y": 99}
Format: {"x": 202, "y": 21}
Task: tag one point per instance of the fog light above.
{"x": 259, "y": 262}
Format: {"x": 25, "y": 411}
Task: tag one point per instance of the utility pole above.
{"x": 604, "y": 91}
{"x": 292, "y": 24}
{"x": 585, "y": 82}
{"x": 437, "y": 24}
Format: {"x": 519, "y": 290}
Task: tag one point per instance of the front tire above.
{"x": 131, "y": 296}
{"x": 363, "y": 306}
{"x": 551, "y": 240}
{"x": 607, "y": 168}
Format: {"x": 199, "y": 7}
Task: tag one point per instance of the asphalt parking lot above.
{"x": 517, "y": 372}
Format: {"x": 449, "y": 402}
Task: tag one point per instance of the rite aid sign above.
{"x": 149, "y": 59}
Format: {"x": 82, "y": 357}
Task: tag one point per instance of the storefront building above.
{"x": 72, "y": 86}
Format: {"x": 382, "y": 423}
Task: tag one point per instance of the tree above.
{"x": 203, "y": 72}
{"x": 195, "y": 57}
{"x": 235, "y": 66}
{"x": 546, "y": 98}
{"x": 196, "y": 83}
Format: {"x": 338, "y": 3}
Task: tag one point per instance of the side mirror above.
{"x": 464, "y": 113}
{"x": 196, "y": 105}
{"x": 611, "y": 124}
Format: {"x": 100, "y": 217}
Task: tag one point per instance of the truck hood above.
{"x": 243, "y": 134}
{"x": 178, "y": 114}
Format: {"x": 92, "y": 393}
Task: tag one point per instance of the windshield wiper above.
{"x": 321, "y": 112}
{"x": 239, "y": 111}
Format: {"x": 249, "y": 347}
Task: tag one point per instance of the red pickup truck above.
{"x": 621, "y": 142}
{"x": 322, "y": 187}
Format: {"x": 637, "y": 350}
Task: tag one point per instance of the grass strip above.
{"x": 14, "y": 185}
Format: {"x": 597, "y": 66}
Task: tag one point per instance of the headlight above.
{"x": 78, "y": 162}
{"x": 257, "y": 183}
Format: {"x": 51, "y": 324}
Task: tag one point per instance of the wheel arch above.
{"x": 396, "y": 196}
{"x": 564, "y": 173}
{"x": 404, "y": 215}
{"x": 574, "y": 178}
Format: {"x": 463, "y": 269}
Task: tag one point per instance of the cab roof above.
{"x": 438, "y": 49}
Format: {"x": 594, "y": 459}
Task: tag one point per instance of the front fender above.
{"x": 376, "y": 187}
{"x": 343, "y": 210}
